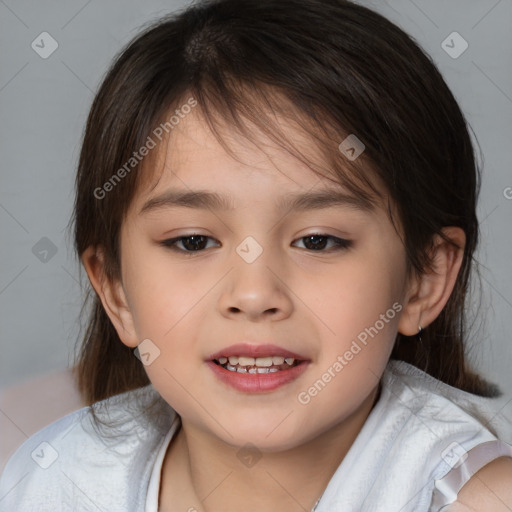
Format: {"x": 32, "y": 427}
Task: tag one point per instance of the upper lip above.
{"x": 255, "y": 350}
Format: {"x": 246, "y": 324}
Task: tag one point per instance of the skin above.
{"x": 488, "y": 490}
{"x": 311, "y": 302}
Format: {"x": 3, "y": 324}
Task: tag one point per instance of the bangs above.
{"x": 260, "y": 113}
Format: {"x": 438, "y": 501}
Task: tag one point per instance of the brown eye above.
{"x": 318, "y": 242}
{"x": 190, "y": 243}
{"x": 315, "y": 243}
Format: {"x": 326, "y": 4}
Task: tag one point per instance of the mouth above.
{"x": 256, "y": 368}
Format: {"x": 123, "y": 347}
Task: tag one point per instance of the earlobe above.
{"x": 429, "y": 293}
{"x": 111, "y": 294}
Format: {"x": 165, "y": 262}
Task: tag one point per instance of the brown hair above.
{"x": 335, "y": 68}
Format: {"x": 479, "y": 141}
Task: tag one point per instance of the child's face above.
{"x": 314, "y": 303}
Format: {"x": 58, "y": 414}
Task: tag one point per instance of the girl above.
{"x": 275, "y": 207}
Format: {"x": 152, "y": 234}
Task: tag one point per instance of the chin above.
{"x": 268, "y": 435}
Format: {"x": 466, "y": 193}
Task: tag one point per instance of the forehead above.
{"x": 192, "y": 167}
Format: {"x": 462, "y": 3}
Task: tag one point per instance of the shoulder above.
{"x": 33, "y": 466}
{"x": 83, "y": 464}
{"x": 488, "y": 490}
{"x": 439, "y": 403}
{"x": 39, "y": 448}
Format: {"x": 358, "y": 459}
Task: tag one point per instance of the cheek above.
{"x": 163, "y": 294}
{"x": 167, "y": 312}
{"x": 359, "y": 310}
{"x": 168, "y": 306}
{"x": 353, "y": 296}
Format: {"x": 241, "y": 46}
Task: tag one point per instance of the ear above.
{"x": 111, "y": 294}
{"x": 428, "y": 293}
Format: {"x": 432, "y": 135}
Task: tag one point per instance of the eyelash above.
{"x": 341, "y": 244}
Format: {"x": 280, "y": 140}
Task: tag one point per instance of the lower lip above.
{"x": 257, "y": 382}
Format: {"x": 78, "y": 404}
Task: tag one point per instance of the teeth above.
{"x": 245, "y": 361}
{"x": 264, "y": 361}
{"x": 244, "y": 364}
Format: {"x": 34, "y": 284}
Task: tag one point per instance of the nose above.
{"x": 256, "y": 291}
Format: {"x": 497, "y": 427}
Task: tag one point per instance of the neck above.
{"x": 204, "y": 474}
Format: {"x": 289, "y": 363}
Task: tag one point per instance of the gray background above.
{"x": 44, "y": 104}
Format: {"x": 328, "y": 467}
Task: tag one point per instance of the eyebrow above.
{"x": 203, "y": 199}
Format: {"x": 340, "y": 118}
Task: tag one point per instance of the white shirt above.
{"x": 421, "y": 442}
